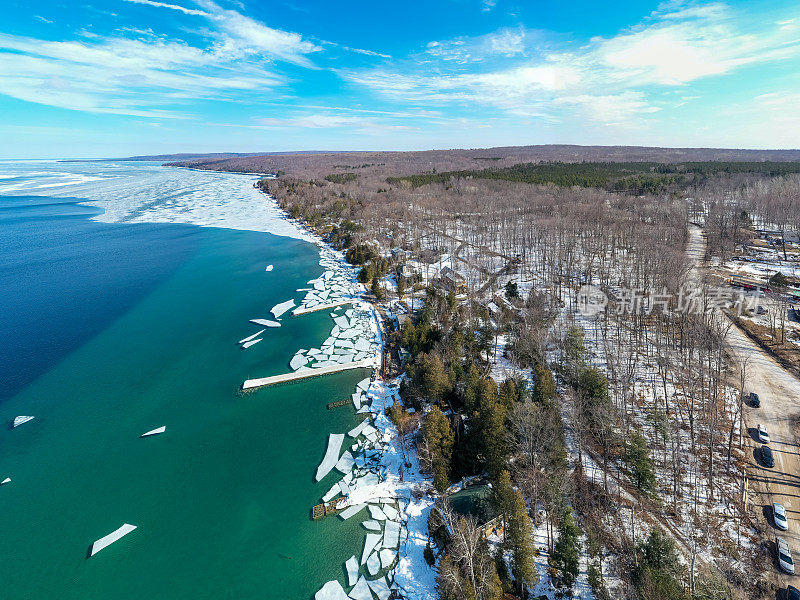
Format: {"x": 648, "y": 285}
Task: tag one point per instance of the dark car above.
{"x": 792, "y": 593}
{"x": 754, "y": 399}
{"x": 766, "y": 457}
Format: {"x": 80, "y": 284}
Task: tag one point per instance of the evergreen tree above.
{"x": 640, "y": 465}
{"x": 511, "y": 507}
{"x": 567, "y": 549}
{"x": 438, "y": 437}
{"x": 377, "y": 291}
{"x": 658, "y": 570}
{"x": 431, "y": 376}
{"x": 544, "y": 386}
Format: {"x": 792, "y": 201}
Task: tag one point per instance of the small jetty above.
{"x": 339, "y": 403}
{"x": 252, "y": 384}
{"x": 301, "y": 310}
{"x": 155, "y": 431}
{"x": 112, "y": 537}
{"x": 320, "y": 511}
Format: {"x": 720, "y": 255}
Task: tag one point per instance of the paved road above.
{"x": 779, "y": 392}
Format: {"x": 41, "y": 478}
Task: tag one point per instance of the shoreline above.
{"x": 397, "y": 488}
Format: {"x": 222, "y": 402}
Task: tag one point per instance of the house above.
{"x": 451, "y": 281}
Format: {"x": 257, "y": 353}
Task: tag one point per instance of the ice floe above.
{"x": 374, "y": 563}
{"x": 331, "y": 591}
{"x": 269, "y": 268}
{"x": 251, "y": 343}
{"x": 281, "y": 308}
{"x": 361, "y": 590}
{"x": 155, "y": 431}
{"x": 265, "y": 322}
{"x": 331, "y": 455}
{"x": 352, "y": 570}
{"x": 22, "y": 419}
{"x": 251, "y": 337}
{"x": 5, "y": 481}
{"x": 112, "y": 537}
{"x": 380, "y": 588}
{"x": 387, "y": 557}
{"x": 372, "y": 540}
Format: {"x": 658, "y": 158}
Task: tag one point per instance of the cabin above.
{"x": 451, "y": 281}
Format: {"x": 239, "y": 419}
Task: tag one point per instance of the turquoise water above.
{"x": 222, "y": 499}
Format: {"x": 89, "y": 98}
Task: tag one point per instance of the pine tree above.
{"x": 377, "y": 291}
{"x": 640, "y": 465}
{"x": 544, "y": 386}
{"x": 438, "y": 436}
{"x": 520, "y": 540}
{"x": 566, "y": 550}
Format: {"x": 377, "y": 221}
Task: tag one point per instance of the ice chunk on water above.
{"x": 265, "y": 322}
{"x": 251, "y": 337}
{"x": 331, "y": 591}
{"x": 391, "y": 534}
{"x": 361, "y": 590}
{"x": 355, "y": 431}
{"x": 373, "y": 564}
{"x": 352, "y": 570}
{"x": 331, "y": 455}
{"x": 281, "y": 308}
{"x": 380, "y": 588}
{"x": 351, "y": 510}
{"x": 298, "y": 360}
{"x": 373, "y": 525}
{"x": 372, "y": 540}
{"x": 377, "y": 513}
{"x": 390, "y": 512}
{"x": 345, "y": 463}
{"x": 387, "y": 558}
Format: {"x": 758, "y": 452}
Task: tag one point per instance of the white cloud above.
{"x": 330, "y": 120}
{"x": 184, "y": 10}
{"x": 606, "y": 80}
{"x": 239, "y": 36}
{"x": 147, "y": 75}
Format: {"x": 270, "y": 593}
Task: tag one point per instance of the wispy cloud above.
{"x": 184, "y": 10}
{"x": 610, "y": 80}
{"x": 148, "y": 75}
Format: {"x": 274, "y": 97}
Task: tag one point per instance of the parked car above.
{"x": 779, "y": 516}
{"x": 754, "y": 400}
{"x": 763, "y": 436}
{"x": 792, "y": 593}
{"x": 766, "y": 457}
{"x": 785, "y": 560}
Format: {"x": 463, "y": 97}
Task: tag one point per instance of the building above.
{"x": 451, "y": 281}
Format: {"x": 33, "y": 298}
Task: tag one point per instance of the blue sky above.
{"x": 122, "y": 77}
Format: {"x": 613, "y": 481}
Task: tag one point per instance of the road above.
{"x": 779, "y": 392}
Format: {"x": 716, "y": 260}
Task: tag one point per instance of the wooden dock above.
{"x": 320, "y": 511}
{"x": 339, "y": 403}
{"x": 300, "y": 310}
{"x": 252, "y": 384}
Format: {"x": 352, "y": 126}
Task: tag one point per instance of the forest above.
{"x": 615, "y": 440}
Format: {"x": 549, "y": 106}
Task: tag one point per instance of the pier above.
{"x": 320, "y": 511}
{"x": 252, "y": 384}
{"x": 301, "y": 310}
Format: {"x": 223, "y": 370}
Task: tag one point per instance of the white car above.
{"x": 779, "y": 516}
{"x": 784, "y": 555}
{"x": 763, "y": 436}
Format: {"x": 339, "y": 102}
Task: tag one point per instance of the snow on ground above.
{"x": 384, "y": 479}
